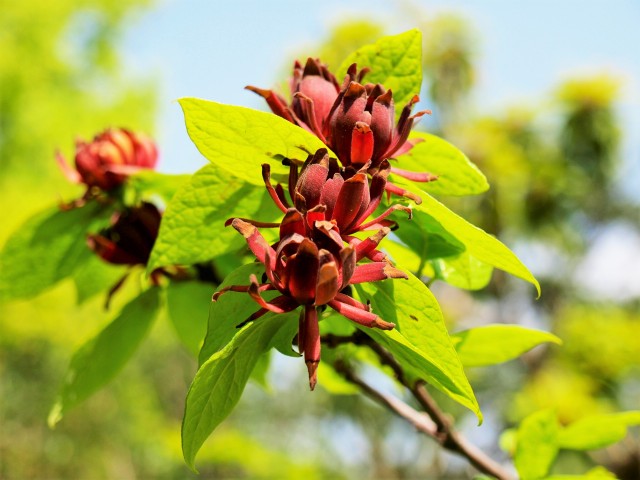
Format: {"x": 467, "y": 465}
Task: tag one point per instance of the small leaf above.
{"x": 478, "y": 243}
{"x": 420, "y": 340}
{"x": 463, "y": 271}
{"x": 597, "y": 473}
{"x": 457, "y": 175}
{"x": 100, "y": 359}
{"x": 192, "y": 228}
{"x": 395, "y": 62}
{"x": 239, "y": 140}
{"x": 47, "y": 248}
{"x": 188, "y": 307}
{"x": 220, "y": 381}
{"x": 537, "y": 444}
{"x": 597, "y": 431}
{"x": 492, "y": 344}
{"x": 149, "y": 182}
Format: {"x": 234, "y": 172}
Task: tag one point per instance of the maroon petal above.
{"x": 110, "y": 252}
{"x": 330, "y": 192}
{"x": 374, "y": 272}
{"x": 360, "y": 316}
{"x": 349, "y": 201}
{"x": 311, "y": 343}
{"x": 384, "y": 215}
{"x": 266, "y": 176}
{"x": 414, "y": 176}
{"x": 361, "y": 144}
{"x": 293, "y": 222}
{"x": 328, "y": 276}
{"x": 255, "y": 240}
{"x": 368, "y": 245}
{"x": 382, "y": 123}
{"x": 348, "y": 261}
{"x": 310, "y": 183}
{"x": 277, "y": 104}
{"x": 303, "y": 272}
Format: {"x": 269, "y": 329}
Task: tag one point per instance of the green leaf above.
{"x": 457, "y": 175}
{"x": 462, "y": 271}
{"x": 94, "y": 276}
{"x": 597, "y": 431}
{"x": 239, "y": 140}
{"x": 597, "y": 473}
{"x": 100, "y": 359}
{"x": 478, "y": 243}
{"x": 537, "y": 444}
{"x": 427, "y": 237}
{"x": 420, "y": 341}
{"x": 220, "y": 381}
{"x": 492, "y": 344}
{"x": 192, "y": 228}
{"x": 148, "y": 183}
{"x": 188, "y": 306}
{"x": 395, "y": 62}
{"x": 47, "y": 248}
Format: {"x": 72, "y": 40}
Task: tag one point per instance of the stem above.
{"x": 434, "y": 423}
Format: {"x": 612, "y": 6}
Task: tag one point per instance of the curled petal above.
{"x": 386, "y": 213}
{"x": 71, "y": 174}
{"x": 358, "y": 315}
{"x": 374, "y": 272}
{"x": 414, "y": 176}
{"x": 255, "y": 240}
{"x": 391, "y": 188}
{"x": 266, "y": 176}
{"x": 277, "y": 104}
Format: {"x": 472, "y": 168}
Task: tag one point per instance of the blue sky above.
{"x": 212, "y": 49}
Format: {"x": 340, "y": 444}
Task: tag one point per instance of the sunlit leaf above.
{"x": 48, "y": 248}
{"x": 420, "y": 340}
{"x": 597, "y": 431}
{"x": 457, "y": 175}
{"x": 395, "y": 62}
{"x": 192, "y": 228}
{"x": 220, "y": 381}
{"x": 239, "y": 140}
{"x": 187, "y": 307}
{"x": 477, "y": 242}
{"x": 99, "y": 360}
{"x": 597, "y": 473}
{"x": 537, "y": 444}
{"x": 492, "y": 344}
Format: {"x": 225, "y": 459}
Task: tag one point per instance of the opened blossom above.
{"x": 316, "y": 258}
{"x": 359, "y": 127}
{"x": 107, "y": 160}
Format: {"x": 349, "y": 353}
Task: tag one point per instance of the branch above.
{"x": 434, "y": 424}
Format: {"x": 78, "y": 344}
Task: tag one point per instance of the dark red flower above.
{"x": 310, "y": 272}
{"x": 359, "y": 126}
{"x": 106, "y": 161}
{"x": 130, "y": 238}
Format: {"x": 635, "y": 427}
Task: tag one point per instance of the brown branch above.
{"x": 434, "y": 423}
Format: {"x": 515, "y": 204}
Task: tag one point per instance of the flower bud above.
{"x": 106, "y": 161}
{"x": 130, "y": 238}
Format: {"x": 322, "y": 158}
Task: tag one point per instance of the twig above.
{"x": 434, "y": 424}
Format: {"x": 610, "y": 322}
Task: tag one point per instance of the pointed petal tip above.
{"x": 383, "y": 325}
{"x": 312, "y": 368}
{"x": 392, "y": 272}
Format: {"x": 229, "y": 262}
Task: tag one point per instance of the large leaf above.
{"x": 220, "y": 381}
{"x": 188, "y": 306}
{"x": 192, "y": 228}
{"x": 395, "y": 62}
{"x": 477, "y": 242}
{"x": 239, "y": 140}
{"x": 47, "y": 248}
{"x": 537, "y": 444}
{"x": 597, "y": 431}
{"x": 492, "y": 344}
{"x": 457, "y": 175}
{"x": 99, "y": 360}
{"x": 420, "y": 341}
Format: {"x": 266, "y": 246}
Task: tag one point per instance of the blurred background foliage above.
{"x": 552, "y": 168}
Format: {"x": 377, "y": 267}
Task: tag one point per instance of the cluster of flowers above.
{"x": 103, "y": 165}
{"x": 356, "y": 121}
{"x": 317, "y": 254}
